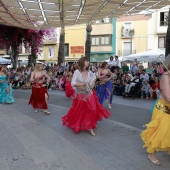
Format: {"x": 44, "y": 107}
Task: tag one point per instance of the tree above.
{"x": 167, "y": 52}
{"x": 88, "y": 41}
{"x": 11, "y": 38}
{"x": 61, "y": 57}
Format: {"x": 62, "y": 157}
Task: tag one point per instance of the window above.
{"x": 126, "y": 48}
{"x": 163, "y": 18}
{"x": 105, "y": 40}
{"x": 95, "y": 40}
{"x": 66, "y": 50}
{"x": 161, "y": 42}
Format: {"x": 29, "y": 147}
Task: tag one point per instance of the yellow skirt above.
{"x": 157, "y": 135}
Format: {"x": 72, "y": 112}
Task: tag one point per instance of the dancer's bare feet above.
{"x": 92, "y": 132}
{"x": 153, "y": 159}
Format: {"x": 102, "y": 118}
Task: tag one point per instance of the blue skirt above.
{"x": 4, "y": 96}
{"x": 102, "y": 92}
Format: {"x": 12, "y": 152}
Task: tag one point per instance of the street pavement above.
{"x": 35, "y": 141}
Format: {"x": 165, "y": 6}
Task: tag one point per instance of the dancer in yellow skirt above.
{"x": 157, "y": 135}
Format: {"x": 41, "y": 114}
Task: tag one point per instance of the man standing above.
{"x": 112, "y": 64}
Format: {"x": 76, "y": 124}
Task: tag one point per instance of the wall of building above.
{"x": 139, "y": 39}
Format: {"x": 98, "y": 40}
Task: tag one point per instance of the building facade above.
{"x": 103, "y": 40}
{"x": 157, "y": 29}
{"x": 132, "y": 34}
{"x": 75, "y": 37}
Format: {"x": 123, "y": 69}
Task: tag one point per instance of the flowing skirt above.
{"x": 84, "y": 112}
{"x": 102, "y": 92}
{"x": 4, "y": 96}
{"x": 157, "y": 135}
{"x": 37, "y": 99}
{"x": 69, "y": 91}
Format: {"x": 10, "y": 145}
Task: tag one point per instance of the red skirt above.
{"x": 84, "y": 112}
{"x": 69, "y": 91}
{"x": 37, "y": 99}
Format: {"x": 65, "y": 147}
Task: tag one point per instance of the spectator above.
{"x": 133, "y": 69}
{"x": 111, "y": 64}
{"x": 145, "y": 89}
{"x": 155, "y": 89}
{"x": 125, "y": 67}
{"x": 144, "y": 76}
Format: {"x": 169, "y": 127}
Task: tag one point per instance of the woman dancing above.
{"x": 5, "y": 90}
{"x": 85, "y": 110}
{"x": 39, "y": 96}
{"x": 157, "y": 135}
{"x": 69, "y": 91}
{"x": 104, "y": 90}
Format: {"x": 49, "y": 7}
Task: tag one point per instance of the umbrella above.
{"x": 4, "y": 61}
{"x": 146, "y": 56}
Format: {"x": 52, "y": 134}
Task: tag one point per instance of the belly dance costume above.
{"x": 157, "y": 135}
{"x": 69, "y": 91}
{"x": 37, "y": 99}
{"x": 85, "y": 110}
{"x": 102, "y": 91}
{"x": 4, "y": 96}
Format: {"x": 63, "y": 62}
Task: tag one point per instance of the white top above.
{"x": 111, "y": 63}
{"x": 144, "y": 77}
{"x": 78, "y": 78}
{"x": 118, "y": 63}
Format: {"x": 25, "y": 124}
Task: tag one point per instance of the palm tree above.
{"x": 168, "y": 36}
{"x": 61, "y": 57}
{"x": 88, "y": 41}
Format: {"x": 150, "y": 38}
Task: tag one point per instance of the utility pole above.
{"x": 131, "y": 36}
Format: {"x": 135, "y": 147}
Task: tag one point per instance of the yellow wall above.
{"x": 75, "y": 36}
{"x": 46, "y": 52}
{"x": 139, "y": 39}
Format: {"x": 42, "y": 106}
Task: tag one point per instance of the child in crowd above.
{"x": 145, "y": 89}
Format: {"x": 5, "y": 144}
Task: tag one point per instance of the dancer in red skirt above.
{"x": 69, "y": 91}
{"x": 39, "y": 94}
{"x": 86, "y": 109}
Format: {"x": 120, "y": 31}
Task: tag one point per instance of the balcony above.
{"x": 127, "y": 33}
{"x": 125, "y": 52}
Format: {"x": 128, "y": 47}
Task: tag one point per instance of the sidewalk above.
{"x": 34, "y": 141}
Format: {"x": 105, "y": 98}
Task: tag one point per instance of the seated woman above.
{"x": 104, "y": 90}
{"x": 155, "y": 89}
{"x": 5, "y": 89}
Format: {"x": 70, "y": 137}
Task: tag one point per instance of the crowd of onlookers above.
{"x": 134, "y": 80}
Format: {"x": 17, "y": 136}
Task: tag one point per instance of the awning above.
{"x": 41, "y": 14}
{"x": 99, "y": 57}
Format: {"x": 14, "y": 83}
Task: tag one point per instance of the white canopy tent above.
{"x": 26, "y": 62}
{"x": 146, "y": 56}
{"x": 4, "y": 61}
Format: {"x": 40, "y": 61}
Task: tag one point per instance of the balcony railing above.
{"x": 127, "y": 33}
{"x": 125, "y": 52}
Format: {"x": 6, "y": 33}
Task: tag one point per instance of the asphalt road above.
{"x": 127, "y": 111}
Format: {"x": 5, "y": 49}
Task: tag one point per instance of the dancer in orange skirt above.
{"x": 157, "y": 135}
{"x": 39, "y": 94}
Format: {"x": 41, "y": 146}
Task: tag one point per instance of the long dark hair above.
{"x": 69, "y": 69}
{"x": 81, "y": 63}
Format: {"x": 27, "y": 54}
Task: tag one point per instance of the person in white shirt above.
{"x": 144, "y": 76}
{"x": 117, "y": 61}
{"x": 111, "y": 64}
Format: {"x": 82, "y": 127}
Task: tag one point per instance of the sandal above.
{"x": 47, "y": 112}
{"x": 156, "y": 162}
{"x": 35, "y": 111}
